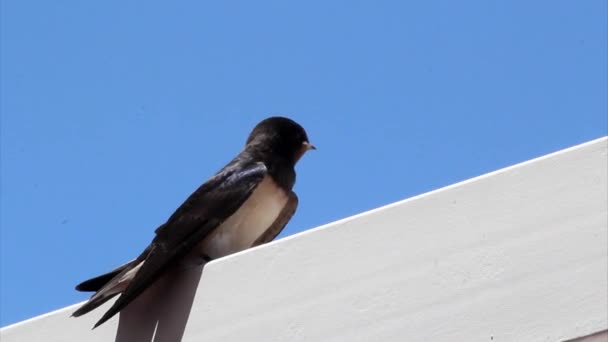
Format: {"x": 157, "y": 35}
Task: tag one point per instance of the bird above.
{"x": 245, "y": 204}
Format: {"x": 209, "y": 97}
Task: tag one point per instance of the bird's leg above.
{"x": 194, "y": 260}
{"x": 205, "y": 258}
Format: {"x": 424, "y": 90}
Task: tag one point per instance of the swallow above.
{"x": 245, "y": 204}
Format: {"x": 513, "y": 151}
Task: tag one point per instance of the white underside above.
{"x": 249, "y": 222}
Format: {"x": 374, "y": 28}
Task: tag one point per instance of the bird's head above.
{"x": 282, "y": 137}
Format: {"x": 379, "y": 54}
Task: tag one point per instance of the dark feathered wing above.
{"x": 203, "y": 211}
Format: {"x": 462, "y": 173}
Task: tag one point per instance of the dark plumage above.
{"x": 262, "y": 174}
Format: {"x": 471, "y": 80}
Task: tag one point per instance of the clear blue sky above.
{"x": 114, "y": 111}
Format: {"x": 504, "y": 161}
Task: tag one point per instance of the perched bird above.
{"x": 245, "y": 204}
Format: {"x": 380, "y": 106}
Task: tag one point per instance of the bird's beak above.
{"x": 305, "y": 147}
{"x": 308, "y": 146}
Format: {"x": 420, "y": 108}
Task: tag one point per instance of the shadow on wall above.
{"x": 601, "y": 336}
{"x": 160, "y": 314}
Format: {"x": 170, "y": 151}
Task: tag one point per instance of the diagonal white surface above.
{"x": 520, "y": 254}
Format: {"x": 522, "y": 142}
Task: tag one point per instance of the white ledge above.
{"x": 520, "y": 254}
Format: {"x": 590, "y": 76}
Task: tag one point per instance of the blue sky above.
{"x": 113, "y": 112}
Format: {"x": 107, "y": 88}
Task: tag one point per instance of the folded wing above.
{"x": 203, "y": 211}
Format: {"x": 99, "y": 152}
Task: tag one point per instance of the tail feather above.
{"x": 106, "y": 285}
{"x": 95, "y": 284}
{"x": 92, "y": 304}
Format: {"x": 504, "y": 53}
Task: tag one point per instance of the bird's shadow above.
{"x": 160, "y": 314}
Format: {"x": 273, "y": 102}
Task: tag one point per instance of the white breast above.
{"x": 250, "y": 221}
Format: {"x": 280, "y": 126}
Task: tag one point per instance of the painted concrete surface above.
{"x": 520, "y": 254}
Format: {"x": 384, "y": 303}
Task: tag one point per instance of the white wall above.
{"x": 520, "y": 254}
